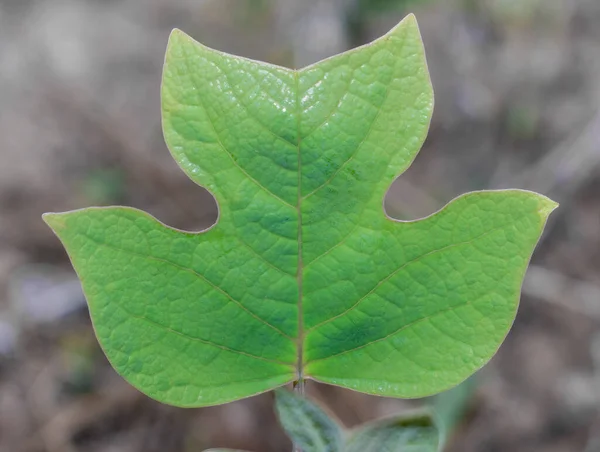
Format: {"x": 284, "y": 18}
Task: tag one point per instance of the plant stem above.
{"x": 298, "y": 389}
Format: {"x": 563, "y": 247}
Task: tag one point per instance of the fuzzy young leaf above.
{"x": 404, "y": 433}
{"x": 312, "y": 430}
{"x": 303, "y": 275}
{"x": 308, "y": 426}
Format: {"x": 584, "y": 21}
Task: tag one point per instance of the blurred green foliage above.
{"x": 377, "y": 6}
{"x": 104, "y": 186}
{"x": 358, "y": 16}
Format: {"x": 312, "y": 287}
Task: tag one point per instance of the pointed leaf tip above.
{"x": 176, "y": 33}
{"x": 54, "y": 220}
{"x": 411, "y": 18}
{"x": 547, "y": 206}
{"x": 408, "y": 22}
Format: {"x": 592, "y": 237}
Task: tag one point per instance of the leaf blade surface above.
{"x": 303, "y": 275}
{"x": 434, "y": 307}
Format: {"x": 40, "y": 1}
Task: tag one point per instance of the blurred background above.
{"x": 517, "y": 87}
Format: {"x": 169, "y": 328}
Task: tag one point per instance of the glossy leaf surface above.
{"x": 303, "y": 275}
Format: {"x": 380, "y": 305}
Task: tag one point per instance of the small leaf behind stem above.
{"x": 414, "y": 432}
{"x": 313, "y": 430}
{"x": 308, "y": 426}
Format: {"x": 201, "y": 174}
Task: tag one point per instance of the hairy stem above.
{"x": 299, "y": 389}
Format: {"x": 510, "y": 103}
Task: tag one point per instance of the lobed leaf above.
{"x": 303, "y": 275}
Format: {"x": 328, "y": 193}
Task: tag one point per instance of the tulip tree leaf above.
{"x": 303, "y": 275}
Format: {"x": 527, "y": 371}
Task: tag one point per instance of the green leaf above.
{"x": 312, "y": 430}
{"x": 303, "y": 275}
{"x": 451, "y": 406}
{"x": 415, "y": 432}
{"x": 308, "y": 426}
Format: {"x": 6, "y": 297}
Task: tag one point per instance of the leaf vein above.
{"x": 194, "y": 272}
{"x": 262, "y": 258}
{"x": 359, "y": 146}
{"x": 398, "y": 331}
{"x": 203, "y": 341}
{"x": 402, "y": 267}
{"x": 242, "y": 103}
{"x": 233, "y": 160}
{"x": 333, "y": 110}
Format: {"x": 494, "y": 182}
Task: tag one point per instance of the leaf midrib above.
{"x": 301, "y": 334}
{"x": 299, "y": 271}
